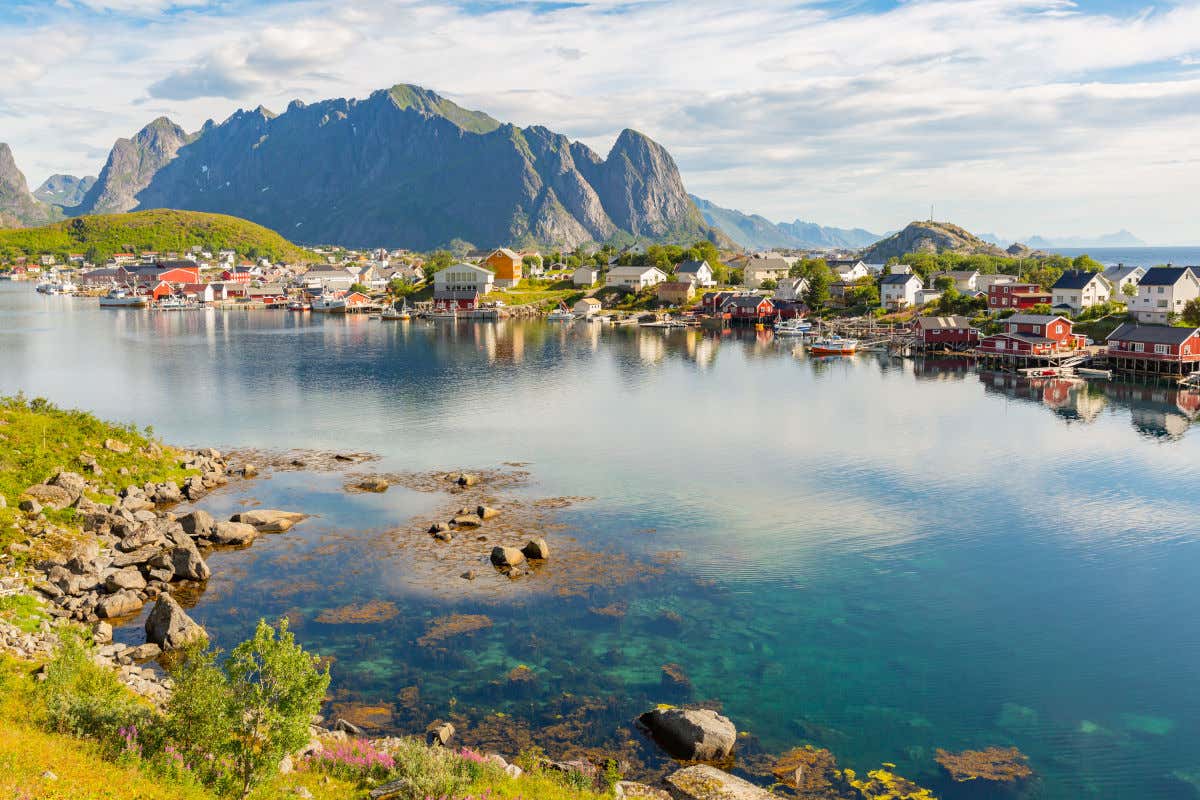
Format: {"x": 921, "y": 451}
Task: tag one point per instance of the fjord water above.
{"x": 877, "y": 556}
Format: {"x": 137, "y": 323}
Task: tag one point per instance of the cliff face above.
{"x": 131, "y": 166}
{"x": 404, "y": 166}
{"x": 929, "y": 237}
{"x": 18, "y": 206}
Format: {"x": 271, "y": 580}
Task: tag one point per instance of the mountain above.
{"x": 755, "y": 232}
{"x": 132, "y": 164}
{"x": 1121, "y": 238}
{"x": 163, "y": 230}
{"x": 929, "y": 237}
{"x": 403, "y": 167}
{"x": 18, "y": 206}
{"x": 64, "y": 190}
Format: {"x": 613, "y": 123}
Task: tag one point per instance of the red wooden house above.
{"x": 161, "y": 289}
{"x": 455, "y": 299}
{"x": 1161, "y": 343}
{"x": 357, "y": 300}
{"x": 949, "y": 332}
{"x": 749, "y": 307}
{"x": 1016, "y": 295}
{"x": 241, "y": 274}
{"x": 1032, "y": 335}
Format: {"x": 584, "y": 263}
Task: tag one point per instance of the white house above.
{"x": 464, "y": 278}
{"x": 585, "y": 276}
{"x": 635, "y": 278}
{"x": 1163, "y": 291}
{"x": 965, "y": 280}
{"x": 898, "y": 291}
{"x": 791, "y": 288}
{"x": 849, "y": 270}
{"x": 587, "y": 306}
{"x": 894, "y": 269}
{"x": 1122, "y": 276}
{"x": 329, "y": 277}
{"x": 987, "y": 281}
{"x": 1079, "y": 289}
{"x": 698, "y": 272}
{"x": 757, "y": 270}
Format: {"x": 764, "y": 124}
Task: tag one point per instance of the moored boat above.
{"x": 560, "y": 314}
{"x": 833, "y": 346}
{"x": 298, "y": 305}
{"x": 329, "y": 304}
{"x": 792, "y": 327}
{"x": 390, "y": 312}
{"x": 123, "y": 298}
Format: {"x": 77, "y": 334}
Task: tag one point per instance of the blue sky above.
{"x": 1018, "y": 117}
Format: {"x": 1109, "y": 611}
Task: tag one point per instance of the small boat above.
{"x": 792, "y": 327}
{"x": 391, "y": 312}
{"x": 329, "y": 304}
{"x": 123, "y": 298}
{"x": 446, "y": 313}
{"x": 833, "y": 346}
{"x": 56, "y": 287}
{"x": 298, "y": 305}
{"x": 560, "y": 314}
{"x": 171, "y": 303}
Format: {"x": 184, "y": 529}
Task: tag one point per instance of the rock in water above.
{"x": 486, "y": 512}
{"x": 198, "y": 524}
{"x": 187, "y": 563}
{"x": 118, "y": 605}
{"x": 702, "y": 782}
{"x": 536, "y": 549}
{"x": 169, "y": 626}
{"x": 233, "y": 533}
{"x": 373, "y": 485}
{"x": 269, "y": 521}
{"x": 691, "y": 734}
{"x": 507, "y": 557}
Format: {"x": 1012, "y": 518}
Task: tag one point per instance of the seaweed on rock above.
{"x": 994, "y": 764}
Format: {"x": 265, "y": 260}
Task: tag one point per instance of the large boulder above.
{"x": 702, "y": 782}
{"x": 125, "y": 578}
{"x": 73, "y": 482}
{"x": 119, "y": 604}
{"x": 49, "y": 496}
{"x": 198, "y": 524}
{"x": 187, "y": 563}
{"x": 507, "y": 557}
{"x": 233, "y": 533}
{"x": 691, "y": 734}
{"x": 269, "y": 521}
{"x": 169, "y": 626}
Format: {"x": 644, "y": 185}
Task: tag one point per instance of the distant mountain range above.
{"x": 403, "y": 167}
{"x": 64, "y": 190}
{"x": 755, "y": 232}
{"x": 1121, "y": 238}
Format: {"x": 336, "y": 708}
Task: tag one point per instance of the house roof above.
{"x": 591, "y": 301}
{"x": 1153, "y": 334}
{"x": 769, "y": 263}
{"x": 1024, "y": 337}
{"x": 899, "y": 278}
{"x": 1119, "y": 273}
{"x": 632, "y": 271}
{"x": 678, "y": 286}
{"x": 504, "y": 251}
{"x": 472, "y": 267}
{"x": 691, "y": 267}
{"x": 1075, "y": 279}
{"x": 958, "y": 274}
{"x": 1033, "y": 319}
{"x": 746, "y": 301}
{"x": 928, "y": 323}
{"x": 1163, "y": 276}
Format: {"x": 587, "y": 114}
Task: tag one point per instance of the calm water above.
{"x": 1137, "y": 256}
{"x": 878, "y": 557}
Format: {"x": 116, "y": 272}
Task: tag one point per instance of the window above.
{"x": 1057, "y": 329}
{"x": 1138, "y": 347}
{"x": 1000, "y": 344}
{"x": 1037, "y": 328}
{"x": 1162, "y": 349}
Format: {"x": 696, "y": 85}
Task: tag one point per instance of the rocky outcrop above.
{"x": 49, "y": 496}
{"x": 929, "y": 237}
{"x": 690, "y": 734}
{"x": 131, "y": 166}
{"x": 702, "y": 782}
{"x": 269, "y": 520}
{"x": 169, "y": 626}
{"x": 18, "y": 206}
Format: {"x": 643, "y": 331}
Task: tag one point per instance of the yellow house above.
{"x": 507, "y": 266}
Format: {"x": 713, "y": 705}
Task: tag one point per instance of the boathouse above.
{"x": 1154, "y": 349}
{"x": 951, "y": 333}
{"x": 1003, "y": 296}
{"x": 1032, "y": 335}
{"x": 748, "y": 308}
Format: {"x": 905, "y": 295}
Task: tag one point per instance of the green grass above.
{"x": 544, "y": 297}
{"x": 37, "y": 439}
{"x": 163, "y": 230}
{"x": 23, "y": 611}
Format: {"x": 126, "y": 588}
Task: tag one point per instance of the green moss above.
{"x": 23, "y": 611}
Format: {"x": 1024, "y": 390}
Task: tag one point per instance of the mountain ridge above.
{"x": 402, "y": 167}
{"x": 756, "y": 232}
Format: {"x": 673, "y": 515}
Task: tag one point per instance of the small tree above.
{"x": 1191, "y": 312}
{"x": 360, "y": 287}
{"x": 817, "y": 295}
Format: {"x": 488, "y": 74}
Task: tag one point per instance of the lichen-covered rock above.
{"x": 72, "y": 482}
{"x": 374, "y": 484}
{"x": 233, "y": 533}
{"x": 269, "y": 520}
{"x": 169, "y": 626}
{"x": 198, "y": 524}
{"x": 703, "y": 782}
{"x": 119, "y": 604}
{"x": 125, "y": 578}
{"x": 187, "y": 563}
{"x": 691, "y": 734}
{"x": 115, "y": 446}
{"x": 49, "y": 496}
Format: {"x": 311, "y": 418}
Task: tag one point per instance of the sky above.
{"x": 1014, "y": 117}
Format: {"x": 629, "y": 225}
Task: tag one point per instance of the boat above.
{"x": 171, "y": 303}
{"x": 792, "y": 327}
{"x": 444, "y": 313}
{"x": 833, "y": 346}
{"x": 56, "y": 287}
{"x": 329, "y": 304}
{"x": 391, "y": 312}
{"x": 299, "y": 305}
{"x": 123, "y": 298}
{"x": 560, "y": 314}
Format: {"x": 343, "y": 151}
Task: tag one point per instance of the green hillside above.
{"x": 164, "y": 230}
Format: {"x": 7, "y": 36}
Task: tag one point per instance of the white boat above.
{"x": 299, "y": 305}
{"x": 560, "y": 314}
{"x": 792, "y": 327}
{"x": 443, "y": 313}
{"x": 123, "y": 298}
{"x": 391, "y": 312}
{"x": 56, "y": 287}
{"x": 329, "y": 304}
{"x": 833, "y": 346}
{"x": 171, "y": 303}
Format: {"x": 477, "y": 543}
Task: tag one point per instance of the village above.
{"x": 1120, "y": 321}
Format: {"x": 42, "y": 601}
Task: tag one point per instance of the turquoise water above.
{"x": 879, "y": 557}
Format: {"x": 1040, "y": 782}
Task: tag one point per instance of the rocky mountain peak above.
{"x": 17, "y": 204}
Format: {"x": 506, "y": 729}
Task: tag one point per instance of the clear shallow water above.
{"x": 879, "y": 557}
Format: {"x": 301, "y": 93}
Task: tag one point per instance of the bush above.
{"x": 82, "y": 698}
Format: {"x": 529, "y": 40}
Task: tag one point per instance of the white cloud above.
{"x": 1023, "y": 116}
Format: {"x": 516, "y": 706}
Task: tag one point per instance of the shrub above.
{"x": 82, "y": 698}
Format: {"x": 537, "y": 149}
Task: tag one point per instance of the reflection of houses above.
{"x": 1032, "y": 335}
{"x": 1155, "y": 410}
